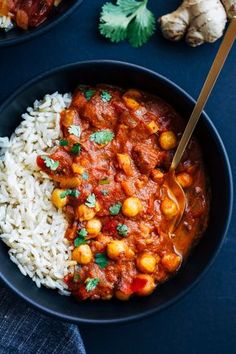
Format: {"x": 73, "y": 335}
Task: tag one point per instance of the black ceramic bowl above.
{"x": 125, "y": 75}
{"x": 17, "y": 35}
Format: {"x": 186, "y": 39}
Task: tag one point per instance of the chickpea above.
{"x": 56, "y": 198}
{"x": 77, "y": 168}
{"x": 169, "y": 208}
{"x": 82, "y": 254}
{"x": 184, "y": 179}
{"x": 157, "y": 175}
{"x": 85, "y": 213}
{"x": 171, "y": 261}
{"x": 149, "y": 287}
{"x": 94, "y": 226}
{"x": 116, "y": 248}
{"x": 122, "y": 296}
{"x": 146, "y": 263}
{"x": 167, "y": 140}
{"x": 131, "y": 206}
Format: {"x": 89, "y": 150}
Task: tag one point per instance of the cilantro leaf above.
{"x": 115, "y": 209}
{"x": 101, "y": 260}
{"x": 102, "y": 137}
{"x": 72, "y": 192}
{"x": 128, "y": 19}
{"x": 122, "y": 229}
{"x": 104, "y": 192}
{"x": 106, "y": 96}
{"x": 104, "y": 181}
{"x": 85, "y": 175}
{"x": 91, "y": 201}
{"x": 89, "y": 94}
{"x": 63, "y": 142}
{"x": 50, "y": 163}
{"x": 80, "y": 240}
{"x": 74, "y": 130}
{"x": 76, "y": 149}
{"x": 91, "y": 283}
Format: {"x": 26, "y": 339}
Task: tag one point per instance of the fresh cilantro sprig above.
{"x": 106, "y": 96}
{"x": 71, "y": 192}
{"x": 102, "y": 137}
{"x": 128, "y": 19}
{"x": 76, "y": 149}
{"x": 101, "y": 260}
{"x": 115, "y": 208}
{"x": 75, "y": 130}
{"x": 91, "y": 283}
{"x": 122, "y": 229}
{"x": 91, "y": 201}
{"x": 50, "y": 163}
{"x": 63, "y": 142}
{"x": 88, "y": 94}
{"x": 81, "y": 240}
{"x": 85, "y": 176}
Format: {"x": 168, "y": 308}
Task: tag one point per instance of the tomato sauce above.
{"x": 109, "y": 170}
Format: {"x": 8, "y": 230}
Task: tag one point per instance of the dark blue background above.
{"x": 205, "y": 320}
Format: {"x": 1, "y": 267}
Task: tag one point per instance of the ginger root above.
{"x": 199, "y": 21}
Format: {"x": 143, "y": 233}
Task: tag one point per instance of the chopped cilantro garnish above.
{"x": 88, "y": 94}
{"x": 122, "y": 229}
{"x": 80, "y": 240}
{"x": 104, "y": 181}
{"x": 102, "y": 137}
{"x": 91, "y": 201}
{"x": 106, "y": 96}
{"x": 101, "y": 260}
{"x": 115, "y": 208}
{"x": 63, "y": 142}
{"x": 127, "y": 19}
{"x": 104, "y": 192}
{"x": 76, "y": 277}
{"x": 50, "y": 163}
{"x": 85, "y": 175}
{"x": 75, "y": 130}
{"x": 71, "y": 192}
{"x": 76, "y": 149}
{"x": 91, "y": 283}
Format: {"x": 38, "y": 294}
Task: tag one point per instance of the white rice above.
{"x": 6, "y": 23}
{"x": 30, "y": 225}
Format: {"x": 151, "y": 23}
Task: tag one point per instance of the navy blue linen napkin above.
{"x": 24, "y": 330}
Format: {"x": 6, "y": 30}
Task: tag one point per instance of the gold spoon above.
{"x": 174, "y": 189}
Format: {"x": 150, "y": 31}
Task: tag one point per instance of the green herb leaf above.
{"x": 85, "y": 175}
{"x": 122, "y": 229}
{"x": 72, "y": 192}
{"x": 101, "y": 260}
{"x": 106, "y": 96}
{"x": 102, "y": 137}
{"x": 76, "y": 277}
{"x": 91, "y": 283}
{"x": 74, "y": 130}
{"x": 81, "y": 240}
{"x": 104, "y": 181}
{"x": 115, "y": 208}
{"x": 128, "y": 19}
{"x": 76, "y": 149}
{"x": 50, "y": 163}
{"x": 91, "y": 201}
{"x": 63, "y": 142}
{"x": 104, "y": 192}
{"x": 89, "y": 94}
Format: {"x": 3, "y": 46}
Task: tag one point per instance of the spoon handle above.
{"x": 206, "y": 91}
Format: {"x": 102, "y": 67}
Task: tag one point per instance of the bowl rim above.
{"x": 210, "y": 125}
{"x": 38, "y": 31}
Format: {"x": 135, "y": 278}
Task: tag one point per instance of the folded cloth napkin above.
{"x": 24, "y": 330}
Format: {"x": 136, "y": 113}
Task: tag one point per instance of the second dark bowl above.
{"x": 125, "y": 75}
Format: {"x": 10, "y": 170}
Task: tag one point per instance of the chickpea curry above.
{"x": 109, "y": 167}
{"x": 27, "y": 13}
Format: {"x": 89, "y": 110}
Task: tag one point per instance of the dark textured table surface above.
{"x": 204, "y": 321}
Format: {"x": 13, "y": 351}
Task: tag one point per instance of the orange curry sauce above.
{"x": 109, "y": 169}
